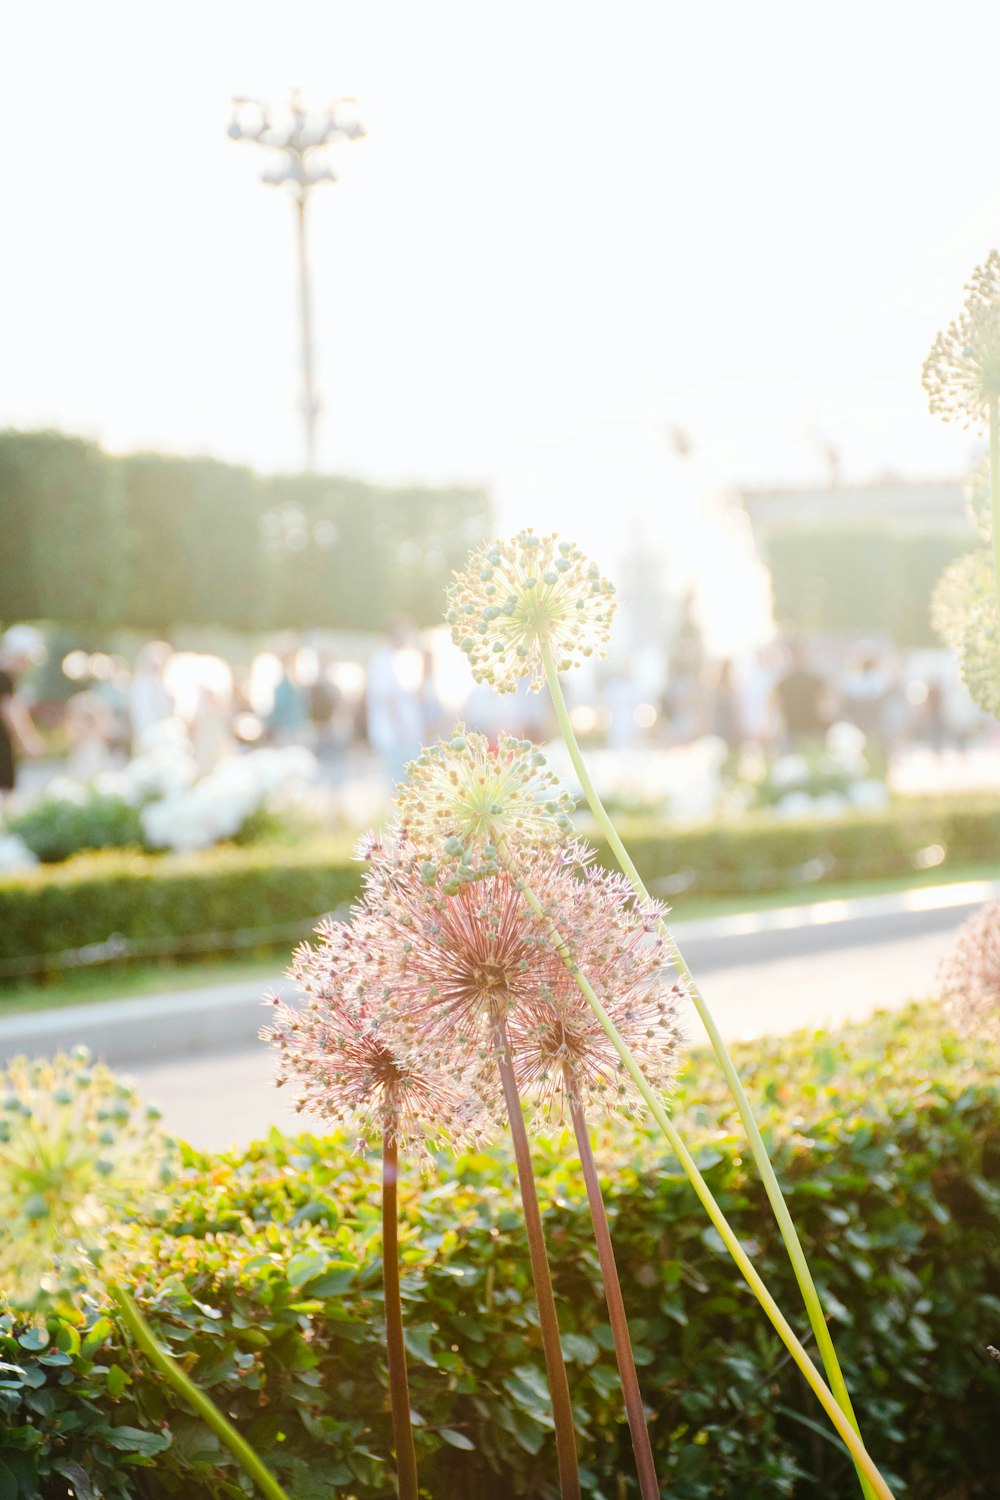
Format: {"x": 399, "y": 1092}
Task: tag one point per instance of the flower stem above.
{"x": 649, "y": 1489}
{"x": 399, "y": 1392}
{"x": 772, "y": 1187}
{"x": 862, "y": 1460}
{"x": 210, "y": 1414}
{"x": 995, "y": 491}
{"x": 562, "y": 1411}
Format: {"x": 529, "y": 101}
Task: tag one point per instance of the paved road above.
{"x": 196, "y": 1052}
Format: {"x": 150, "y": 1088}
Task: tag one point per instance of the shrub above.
{"x": 57, "y": 827}
{"x": 268, "y": 1287}
{"x": 233, "y": 898}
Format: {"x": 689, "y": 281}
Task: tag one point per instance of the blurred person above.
{"x": 210, "y": 727}
{"x": 864, "y": 698}
{"x": 394, "y": 710}
{"x": 90, "y": 730}
{"x": 288, "y": 721}
{"x": 760, "y": 716}
{"x": 803, "y": 700}
{"x": 113, "y": 692}
{"x": 935, "y": 725}
{"x": 725, "y": 719}
{"x": 324, "y": 704}
{"x": 434, "y": 718}
{"x": 621, "y": 696}
{"x": 22, "y": 647}
{"x": 150, "y": 701}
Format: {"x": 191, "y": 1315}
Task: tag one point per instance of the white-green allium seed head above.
{"x": 979, "y": 499}
{"x": 463, "y": 804}
{"x": 962, "y": 371}
{"x": 964, "y": 611}
{"x": 79, "y": 1156}
{"x": 518, "y": 598}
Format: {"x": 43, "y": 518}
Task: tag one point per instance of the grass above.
{"x": 117, "y": 982}
{"x": 693, "y": 908}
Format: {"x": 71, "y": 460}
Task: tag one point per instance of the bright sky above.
{"x": 570, "y": 229}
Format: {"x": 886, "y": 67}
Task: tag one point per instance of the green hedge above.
{"x": 267, "y": 1285}
{"x": 156, "y": 902}
{"x": 151, "y": 540}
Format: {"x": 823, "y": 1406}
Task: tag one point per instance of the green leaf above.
{"x": 136, "y": 1440}
{"x": 578, "y": 1348}
{"x": 302, "y": 1267}
{"x": 95, "y": 1337}
{"x": 456, "y": 1439}
{"x": 117, "y": 1380}
{"x": 34, "y": 1338}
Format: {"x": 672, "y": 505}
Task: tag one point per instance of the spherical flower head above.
{"x": 454, "y": 968}
{"x": 979, "y": 499}
{"x": 962, "y": 371}
{"x": 79, "y": 1157}
{"x": 343, "y": 1069}
{"x": 517, "y": 599}
{"x": 561, "y": 1050}
{"x": 463, "y": 803}
{"x": 964, "y": 611}
{"x": 969, "y": 977}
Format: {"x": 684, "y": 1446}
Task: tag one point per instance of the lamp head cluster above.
{"x": 299, "y": 139}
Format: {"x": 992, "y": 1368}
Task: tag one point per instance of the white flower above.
{"x": 15, "y": 855}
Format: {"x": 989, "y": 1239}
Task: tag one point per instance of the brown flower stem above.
{"x": 995, "y": 491}
{"x": 846, "y": 1429}
{"x": 562, "y": 1411}
{"x": 649, "y": 1488}
{"x": 772, "y": 1187}
{"x": 399, "y": 1391}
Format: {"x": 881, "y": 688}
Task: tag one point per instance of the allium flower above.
{"x": 345, "y": 1071}
{"x": 450, "y": 967}
{"x": 979, "y": 499}
{"x": 969, "y": 977}
{"x": 964, "y": 612}
{"x": 79, "y": 1155}
{"x": 562, "y": 1052}
{"x": 962, "y": 372}
{"x": 516, "y": 597}
{"x": 462, "y": 800}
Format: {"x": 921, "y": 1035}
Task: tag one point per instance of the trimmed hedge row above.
{"x": 159, "y": 899}
{"x": 267, "y": 1285}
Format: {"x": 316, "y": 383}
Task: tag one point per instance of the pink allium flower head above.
{"x": 969, "y": 977}
{"x": 462, "y": 801}
{"x": 449, "y": 967}
{"x": 344, "y": 1070}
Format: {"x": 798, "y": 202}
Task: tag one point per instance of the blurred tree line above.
{"x": 150, "y": 541}
{"x": 848, "y": 577}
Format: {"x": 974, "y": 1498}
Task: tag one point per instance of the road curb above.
{"x": 226, "y": 1018}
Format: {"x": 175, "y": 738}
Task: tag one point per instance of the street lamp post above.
{"x": 301, "y": 144}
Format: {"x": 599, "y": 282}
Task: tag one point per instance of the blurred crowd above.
{"x": 379, "y": 705}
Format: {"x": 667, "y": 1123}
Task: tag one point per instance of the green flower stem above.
{"x": 399, "y": 1391}
{"x": 995, "y": 491}
{"x": 158, "y": 1357}
{"x": 862, "y": 1459}
{"x": 555, "y": 1365}
{"x": 649, "y": 1489}
{"x": 789, "y": 1234}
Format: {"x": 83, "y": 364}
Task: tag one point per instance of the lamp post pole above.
{"x": 299, "y": 145}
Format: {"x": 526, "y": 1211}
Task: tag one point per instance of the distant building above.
{"x": 859, "y": 559}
